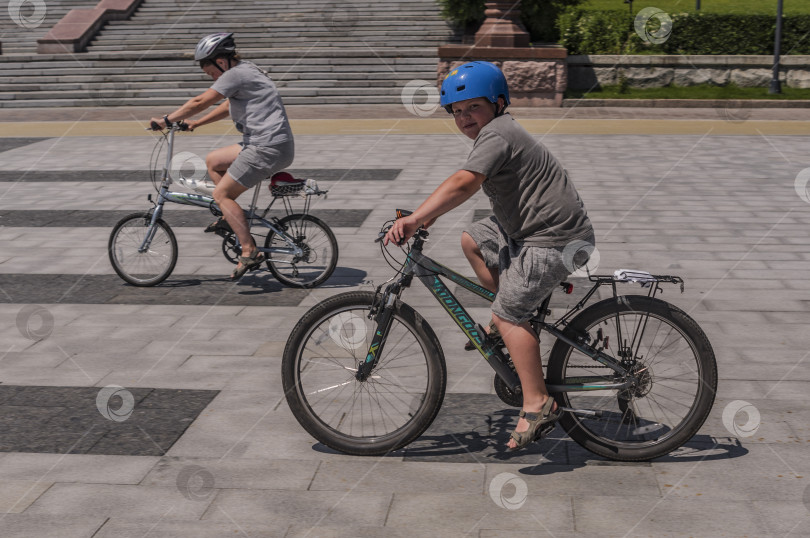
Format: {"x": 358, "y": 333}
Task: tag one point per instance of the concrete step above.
{"x": 46, "y": 82}
{"x": 173, "y": 92}
{"x": 317, "y": 51}
{"x": 177, "y": 101}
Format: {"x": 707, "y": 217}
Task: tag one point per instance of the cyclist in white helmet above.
{"x": 253, "y": 102}
{"x": 517, "y": 253}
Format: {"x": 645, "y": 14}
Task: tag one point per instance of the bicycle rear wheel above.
{"x": 142, "y": 268}
{"x": 672, "y": 360}
{"x": 398, "y": 401}
{"x": 318, "y": 260}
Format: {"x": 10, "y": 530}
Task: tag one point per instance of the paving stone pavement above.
{"x": 730, "y": 214}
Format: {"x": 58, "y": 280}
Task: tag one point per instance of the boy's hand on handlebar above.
{"x": 157, "y": 124}
{"x": 402, "y": 230}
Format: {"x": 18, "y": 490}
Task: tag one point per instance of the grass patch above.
{"x": 703, "y": 91}
{"x": 742, "y": 7}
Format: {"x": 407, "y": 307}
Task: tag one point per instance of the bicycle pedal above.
{"x": 544, "y": 430}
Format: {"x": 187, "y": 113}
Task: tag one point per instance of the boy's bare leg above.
{"x": 225, "y": 196}
{"x": 219, "y": 160}
{"x": 524, "y": 348}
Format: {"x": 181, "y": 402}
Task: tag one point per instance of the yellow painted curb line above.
{"x": 427, "y": 126}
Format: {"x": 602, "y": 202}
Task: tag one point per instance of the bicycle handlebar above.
{"x": 179, "y": 125}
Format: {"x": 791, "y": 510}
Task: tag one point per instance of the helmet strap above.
{"x": 229, "y": 64}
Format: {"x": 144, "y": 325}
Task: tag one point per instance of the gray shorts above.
{"x": 257, "y": 163}
{"x": 526, "y": 274}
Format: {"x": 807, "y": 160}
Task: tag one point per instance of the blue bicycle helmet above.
{"x": 471, "y": 80}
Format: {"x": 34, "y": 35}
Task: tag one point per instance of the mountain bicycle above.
{"x": 301, "y": 250}
{"x": 635, "y": 376}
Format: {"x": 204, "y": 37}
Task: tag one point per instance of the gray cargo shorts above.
{"x": 257, "y": 163}
{"x": 527, "y": 274}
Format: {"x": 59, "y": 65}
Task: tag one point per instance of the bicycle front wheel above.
{"x": 319, "y": 257}
{"x": 393, "y": 406}
{"x": 672, "y": 361}
{"x": 151, "y": 266}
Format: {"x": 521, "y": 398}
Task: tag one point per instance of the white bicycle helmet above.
{"x": 214, "y": 45}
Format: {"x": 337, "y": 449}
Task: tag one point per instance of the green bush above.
{"x": 539, "y": 16}
{"x": 612, "y": 32}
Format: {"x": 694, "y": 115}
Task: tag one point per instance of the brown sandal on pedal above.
{"x": 247, "y": 263}
{"x": 540, "y": 424}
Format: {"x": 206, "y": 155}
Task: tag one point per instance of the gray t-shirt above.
{"x": 531, "y": 195}
{"x": 255, "y": 105}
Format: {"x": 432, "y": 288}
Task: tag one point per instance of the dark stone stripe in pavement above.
{"x": 37, "y": 218}
{"x": 319, "y": 174}
{"x": 255, "y": 289}
{"x": 75, "y": 420}
{"x": 13, "y": 143}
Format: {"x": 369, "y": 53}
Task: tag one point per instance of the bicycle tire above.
{"x": 318, "y": 375}
{"x": 320, "y": 252}
{"x": 142, "y": 268}
{"x": 678, "y": 375}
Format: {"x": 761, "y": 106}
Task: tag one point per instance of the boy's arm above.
{"x": 454, "y": 191}
{"x": 220, "y": 112}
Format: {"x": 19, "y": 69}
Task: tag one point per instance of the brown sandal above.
{"x": 248, "y": 263}
{"x": 540, "y": 424}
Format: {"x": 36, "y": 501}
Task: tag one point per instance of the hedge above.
{"x": 538, "y": 16}
{"x": 612, "y": 32}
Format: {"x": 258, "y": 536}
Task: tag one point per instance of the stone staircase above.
{"x": 318, "y": 52}
{"x": 20, "y": 28}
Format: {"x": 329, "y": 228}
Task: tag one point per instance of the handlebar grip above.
{"x": 155, "y": 126}
{"x": 183, "y": 125}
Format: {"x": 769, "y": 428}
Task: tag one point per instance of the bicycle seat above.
{"x": 284, "y": 184}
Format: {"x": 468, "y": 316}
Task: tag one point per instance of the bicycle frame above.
{"x": 199, "y": 200}
{"x": 429, "y": 272}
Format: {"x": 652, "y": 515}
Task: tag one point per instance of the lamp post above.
{"x": 776, "y": 86}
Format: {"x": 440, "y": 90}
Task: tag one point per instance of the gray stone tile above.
{"x": 657, "y": 516}
{"x": 400, "y": 477}
{"x": 48, "y": 526}
{"x": 107, "y": 500}
{"x": 473, "y": 512}
{"x": 195, "y": 473}
{"x": 87, "y": 469}
{"x": 300, "y": 507}
{"x": 127, "y": 528}
{"x": 17, "y": 495}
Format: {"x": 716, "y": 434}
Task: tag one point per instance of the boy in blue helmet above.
{"x": 518, "y": 253}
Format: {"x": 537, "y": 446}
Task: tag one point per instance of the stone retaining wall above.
{"x": 585, "y": 72}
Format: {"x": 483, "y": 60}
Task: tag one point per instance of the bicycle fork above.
{"x": 384, "y": 317}
{"x": 156, "y": 213}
